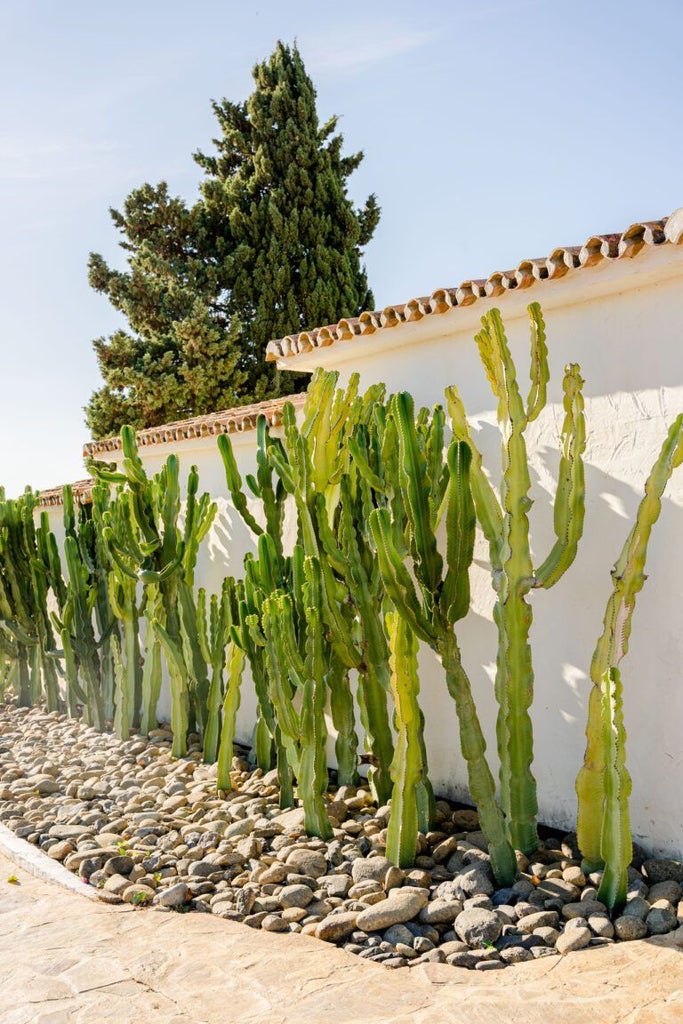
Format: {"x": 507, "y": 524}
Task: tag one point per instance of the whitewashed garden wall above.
{"x": 623, "y": 322}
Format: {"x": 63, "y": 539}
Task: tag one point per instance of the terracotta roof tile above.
{"x": 229, "y": 421}
{"x": 82, "y": 490}
{"x": 526, "y": 274}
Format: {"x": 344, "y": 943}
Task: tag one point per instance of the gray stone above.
{"x": 440, "y": 911}
{"x": 584, "y": 908}
{"x": 370, "y": 869}
{"x": 601, "y": 926}
{"x": 574, "y": 938}
{"x": 548, "y": 935}
{"x": 637, "y": 907}
{"x": 475, "y": 881}
{"x": 120, "y": 865}
{"x": 557, "y": 888}
{"x": 336, "y": 885}
{"x": 477, "y": 927}
{"x": 44, "y": 785}
{"x": 245, "y": 900}
{"x": 337, "y": 927}
{"x": 116, "y": 884}
{"x": 175, "y": 896}
{"x": 274, "y": 923}
{"x": 515, "y": 955}
{"x": 630, "y": 927}
{"x": 400, "y": 906}
{"x": 398, "y": 933}
{"x": 661, "y": 919}
{"x": 667, "y": 890}
{"x": 663, "y": 870}
{"x": 543, "y": 919}
{"x": 138, "y": 894}
{"x": 295, "y": 896}
{"x": 307, "y": 862}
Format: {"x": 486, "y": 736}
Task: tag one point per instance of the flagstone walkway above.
{"x": 69, "y": 960}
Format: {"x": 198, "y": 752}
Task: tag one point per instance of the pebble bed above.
{"x": 148, "y": 830}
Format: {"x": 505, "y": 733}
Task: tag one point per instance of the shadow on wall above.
{"x": 567, "y": 623}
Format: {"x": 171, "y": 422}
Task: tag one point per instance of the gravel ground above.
{"x": 148, "y": 830}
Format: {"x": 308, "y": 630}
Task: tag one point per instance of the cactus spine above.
{"x": 603, "y": 784}
{"x": 506, "y": 527}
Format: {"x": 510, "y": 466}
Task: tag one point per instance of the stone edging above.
{"x": 37, "y": 863}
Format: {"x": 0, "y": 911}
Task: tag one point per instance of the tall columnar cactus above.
{"x": 214, "y": 619}
{"x": 268, "y": 487}
{"x": 431, "y": 602}
{"x": 294, "y": 653}
{"x": 603, "y": 784}
{"x": 147, "y": 546}
{"x": 313, "y": 463}
{"x": 24, "y": 618}
{"x": 506, "y": 526}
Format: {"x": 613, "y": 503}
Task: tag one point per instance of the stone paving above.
{"x": 69, "y": 960}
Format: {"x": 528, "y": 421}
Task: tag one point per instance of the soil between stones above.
{"x": 152, "y": 831}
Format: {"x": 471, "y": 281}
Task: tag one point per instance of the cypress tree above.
{"x": 271, "y": 247}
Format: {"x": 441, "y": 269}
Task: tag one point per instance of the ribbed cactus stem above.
{"x": 231, "y": 703}
{"x": 480, "y": 780}
{"x": 408, "y": 768}
{"x": 602, "y": 784}
{"x": 343, "y": 720}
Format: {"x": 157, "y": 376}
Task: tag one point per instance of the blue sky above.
{"x": 492, "y": 132}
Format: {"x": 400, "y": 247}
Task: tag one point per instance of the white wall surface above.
{"x": 623, "y": 322}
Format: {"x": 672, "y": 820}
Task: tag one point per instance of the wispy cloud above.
{"x": 341, "y": 51}
{"x": 26, "y": 158}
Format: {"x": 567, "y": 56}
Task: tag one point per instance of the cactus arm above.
{"x": 231, "y": 703}
{"x": 628, "y": 577}
{"x": 616, "y": 847}
{"x": 407, "y": 768}
{"x": 362, "y": 465}
{"x": 486, "y": 503}
{"x": 434, "y": 445}
{"x": 514, "y": 677}
{"x": 539, "y": 363}
{"x": 481, "y": 784}
{"x": 373, "y": 681}
{"x": 234, "y": 481}
{"x": 343, "y": 720}
{"x": 400, "y": 587}
{"x": 460, "y": 526}
{"x": 178, "y": 677}
{"x": 413, "y": 477}
{"x": 151, "y": 682}
{"x": 569, "y": 508}
{"x": 312, "y": 774}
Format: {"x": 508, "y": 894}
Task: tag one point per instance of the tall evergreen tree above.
{"x": 271, "y": 247}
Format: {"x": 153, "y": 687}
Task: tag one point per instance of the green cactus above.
{"x": 234, "y": 660}
{"x": 24, "y": 617}
{"x": 409, "y": 766}
{"x": 147, "y": 546}
{"x": 506, "y": 527}
{"x": 428, "y": 490}
{"x": 294, "y": 656}
{"x": 313, "y": 462}
{"x": 603, "y": 784}
{"x": 213, "y": 629}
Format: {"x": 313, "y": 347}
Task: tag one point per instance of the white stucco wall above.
{"x": 623, "y": 322}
